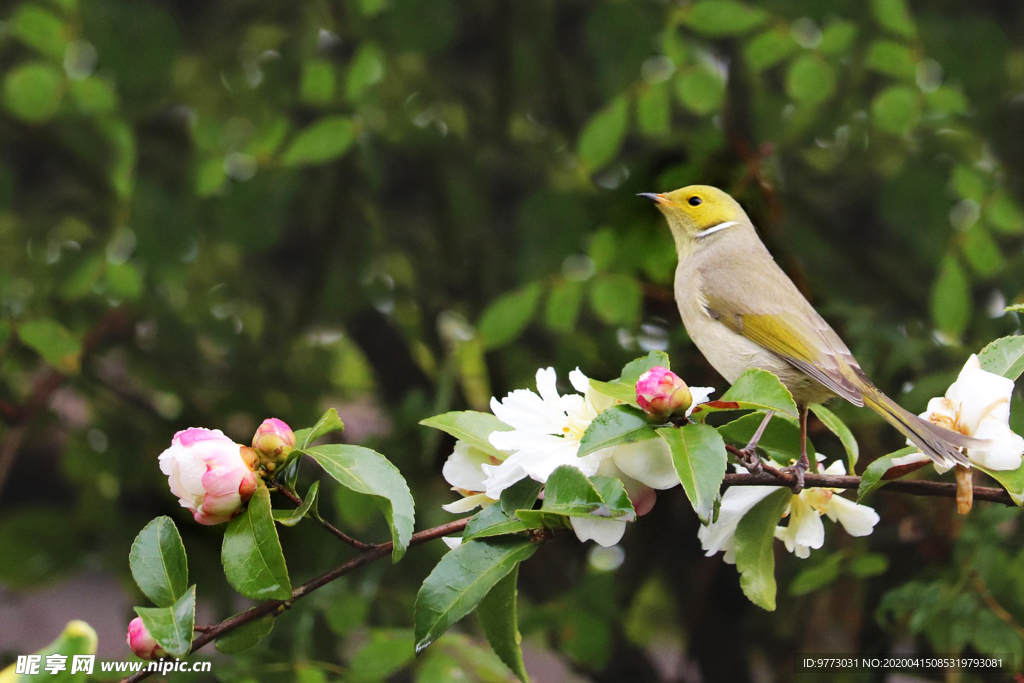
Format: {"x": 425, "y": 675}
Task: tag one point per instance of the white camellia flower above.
{"x": 546, "y": 431}
{"x": 977, "y": 404}
{"x": 804, "y": 530}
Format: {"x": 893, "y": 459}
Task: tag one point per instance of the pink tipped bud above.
{"x": 273, "y": 441}
{"x": 141, "y": 642}
{"x": 660, "y": 392}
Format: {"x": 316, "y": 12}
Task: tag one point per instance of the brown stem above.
{"x": 279, "y": 606}
{"x": 355, "y": 543}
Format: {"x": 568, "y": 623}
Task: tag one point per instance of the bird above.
{"x": 742, "y": 311}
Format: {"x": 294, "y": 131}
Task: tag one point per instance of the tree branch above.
{"x": 276, "y": 607}
{"x": 355, "y": 543}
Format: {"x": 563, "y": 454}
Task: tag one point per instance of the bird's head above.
{"x": 697, "y": 212}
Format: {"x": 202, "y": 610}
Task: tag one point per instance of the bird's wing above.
{"x": 781, "y": 320}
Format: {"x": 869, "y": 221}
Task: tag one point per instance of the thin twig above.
{"x": 355, "y": 543}
{"x": 278, "y": 606}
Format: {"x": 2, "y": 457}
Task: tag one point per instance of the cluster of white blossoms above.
{"x": 804, "y": 530}
{"x": 546, "y": 432}
{"x": 977, "y": 404}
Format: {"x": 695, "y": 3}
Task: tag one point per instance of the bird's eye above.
{"x": 695, "y": 201}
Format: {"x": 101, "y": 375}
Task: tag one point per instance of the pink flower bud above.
{"x": 273, "y": 441}
{"x": 660, "y": 392}
{"x": 141, "y": 642}
{"x": 210, "y": 474}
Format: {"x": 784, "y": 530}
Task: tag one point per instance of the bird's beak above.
{"x": 659, "y": 198}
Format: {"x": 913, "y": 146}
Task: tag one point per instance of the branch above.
{"x": 355, "y": 543}
{"x": 915, "y": 487}
{"x": 276, "y": 607}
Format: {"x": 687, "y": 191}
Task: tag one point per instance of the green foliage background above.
{"x": 211, "y": 213}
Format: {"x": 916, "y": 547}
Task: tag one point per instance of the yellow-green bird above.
{"x": 742, "y": 312}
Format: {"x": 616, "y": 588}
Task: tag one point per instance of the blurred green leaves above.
{"x": 603, "y": 134}
{"x": 324, "y": 141}
{"x": 33, "y": 91}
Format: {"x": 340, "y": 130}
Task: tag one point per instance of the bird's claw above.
{"x": 748, "y": 458}
{"x": 797, "y": 471}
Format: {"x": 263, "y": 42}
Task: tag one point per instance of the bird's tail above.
{"x": 940, "y": 444}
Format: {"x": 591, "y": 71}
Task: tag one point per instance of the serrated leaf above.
{"x": 700, "y": 459}
{"x": 328, "y": 422}
{"x": 520, "y": 495}
{"x": 1004, "y": 357}
{"x": 780, "y": 440}
{"x": 718, "y": 18}
{"x": 951, "y": 298}
{"x": 293, "y": 517}
{"x": 613, "y": 427}
{"x": 755, "y": 556}
{"x": 497, "y": 613}
{"x": 570, "y": 493}
{"x": 158, "y": 563}
{"x": 251, "y": 553}
{"x": 839, "y": 428}
{"x": 245, "y": 636}
{"x": 873, "y": 477}
{"x": 323, "y": 141}
{"x": 53, "y": 342}
{"x": 507, "y": 316}
{"x": 632, "y": 370}
{"x": 172, "y": 626}
{"x": 491, "y": 521}
{"x": 368, "y": 472}
{"x": 755, "y": 389}
{"x": 603, "y": 134}
{"x": 470, "y": 426}
{"x": 461, "y": 580}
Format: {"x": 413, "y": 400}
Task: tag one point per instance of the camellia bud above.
{"x": 210, "y": 474}
{"x": 273, "y": 441}
{"x": 142, "y": 643}
{"x": 660, "y": 392}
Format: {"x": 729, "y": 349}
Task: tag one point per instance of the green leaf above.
{"x": 326, "y": 140}
{"x": 615, "y": 426}
{"x": 837, "y": 38}
{"x": 365, "y": 471}
{"x": 563, "y": 306}
{"x": 53, "y": 342}
{"x": 892, "y": 58}
{"x": 700, "y": 89}
{"x": 39, "y": 29}
{"x": 896, "y": 109}
{"x": 872, "y": 479}
{"x": 951, "y": 298}
{"x": 755, "y": 389}
{"x": 520, "y": 495}
{"x": 755, "y": 557}
{"x": 470, "y": 426}
{"x": 316, "y": 86}
{"x": 970, "y": 183}
{"x": 810, "y": 80}
{"x": 461, "y": 580}
{"x": 603, "y": 134}
{"x": 719, "y": 18}
{"x": 388, "y": 651}
{"x": 780, "y": 440}
{"x": 497, "y": 613}
{"x": 839, "y": 428}
{"x": 507, "y": 316}
{"x": 1004, "y": 357}
{"x": 251, "y": 552}
{"x": 172, "y": 626}
{"x": 868, "y": 565}
{"x": 293, "y": 517}
{"x": 982, "y": 252}
{"x": 620, "y": 392}
{"x": 616, "y": 299}
{"x": 365, "y": 70}
{"x": 570, "y": 493}
{"x": 1011, "y": 480}
{"x": 96, "y": 95}
{"x": 817, "y": 576}
{"x": 769, "y": 48}
{"x": 654, "y": 110}
{"x": 893, "y": 15}
{"x": 246, "y": 636}
{"x": 699, "y": 456}
{"x": 328, "y": 422}
{"x": 1004, "y": 213}
{"x": 33, "y": 91}
{"x": 491, "y": 521}
{"x": 633, "y": 369}
{"x": 158, "y": 563}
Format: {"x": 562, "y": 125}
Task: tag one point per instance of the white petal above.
{"x": 579, "y": 381}
{"x": 980, "y": 393}
{"x": 524, "y": 410}
{"x": 468, "y": 503}
{"x": 547, "y": 385}
{"x": 736, "y": 502}
{"x": 700, "y": 395}
{"x": 526, "y": 441}
{"x": 500, "y": 477}
{"x": 804, "y": 531}
{"x": 463, "y": 468}
{"x": 452, "y": 542}
{"x": 1003, "y": 450}
{"x": 649, "y": 462}
{"x": 858, "y": 520}
{"x": 606, "y": 532}
{"x": 909, "y": 459}
{"x": 837, "y": 468}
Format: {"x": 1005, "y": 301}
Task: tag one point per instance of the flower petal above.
{"x": 605, "y": 532}
{"x": 858, "y": 520}
{"x": 649, "y": 462}
{"x": 463, "y": 468}
{"x": 468, "y": 503}
{"x": 721, "y": 534}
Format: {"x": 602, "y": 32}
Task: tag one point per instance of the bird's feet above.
{"x": 797, "y": 471}
{"x": 748, "y": 458}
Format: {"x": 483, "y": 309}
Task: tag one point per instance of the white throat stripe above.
{"x": 715, "y": 228}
